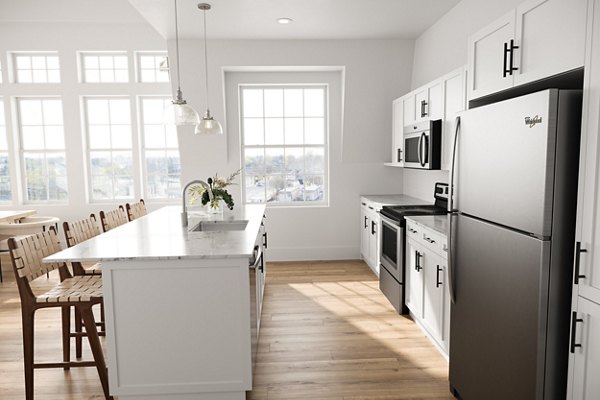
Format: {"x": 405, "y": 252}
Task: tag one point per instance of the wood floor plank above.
{"x": 327, "y": 333}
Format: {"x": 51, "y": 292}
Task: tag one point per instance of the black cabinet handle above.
{"x": 423, "y": 105}
{"x": 578, "y": 251}
{"x": 399, "y": 155}
{"x": 427, "y": 239}
{"x": 505, "y": 71}
{"x": 418, "y": 261}
{"x": 366, "y": 225}
{"x": 437, "y": 277}
{"x": 574, "y": 321}
{"x": 372, "y": 227}
{"x": 265, "y": 240}
{"x": 512, "y": 51}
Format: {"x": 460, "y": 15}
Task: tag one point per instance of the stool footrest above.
{"x": 65, "y": 364}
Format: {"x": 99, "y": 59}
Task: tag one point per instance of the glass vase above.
{"x": 215, "y": 206}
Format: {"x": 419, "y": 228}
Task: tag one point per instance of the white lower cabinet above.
{"x": 369, "y": 239}
{"x": 427, "y": 294}
{"x": 585, "y": 350}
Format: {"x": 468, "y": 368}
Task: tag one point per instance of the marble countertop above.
{"x": 393, "y": 199}
{"x": 437, "y": 223}
{"x": 159, "y": 235}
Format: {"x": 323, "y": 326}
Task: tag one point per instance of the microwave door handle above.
{"x": 451, "y": 209}
{"x": 423, "y": 149}
{"x": 419, "y": 151}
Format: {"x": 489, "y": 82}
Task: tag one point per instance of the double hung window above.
{"x": 284, "y": 144}
{"x": 42, "y": 147}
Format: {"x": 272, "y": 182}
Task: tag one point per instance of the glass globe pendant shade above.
{"x": 208, "y": 126}
{"x": 180, "y": 113}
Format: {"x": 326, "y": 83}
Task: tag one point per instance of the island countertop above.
{"x": 160, "y": 236}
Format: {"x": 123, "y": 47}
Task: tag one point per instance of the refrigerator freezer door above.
{"x": 505, "y": 162}
{"x": 498, "y": 318}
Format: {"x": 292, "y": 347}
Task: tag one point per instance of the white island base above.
{"x": 178, "y": 329}
{"x": 182, "y": 305}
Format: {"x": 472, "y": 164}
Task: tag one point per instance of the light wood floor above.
{"x": 327, "y": 333}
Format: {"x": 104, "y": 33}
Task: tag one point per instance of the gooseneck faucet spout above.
{"x": 184, "y": 219}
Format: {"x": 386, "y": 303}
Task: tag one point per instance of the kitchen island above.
{"x": 179, "y": 302}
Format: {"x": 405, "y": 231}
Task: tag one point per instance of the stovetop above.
{"x": 397, "y": 213}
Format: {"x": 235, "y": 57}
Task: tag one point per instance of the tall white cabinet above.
{"x": 584, "y": 367}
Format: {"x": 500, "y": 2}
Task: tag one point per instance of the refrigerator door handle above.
{"x": 450, "y": 211}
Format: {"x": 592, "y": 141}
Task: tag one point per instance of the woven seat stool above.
{"x": 136, "y": 210}
{"x": 113, "y": 218}
{"x": 77, "y": 232}
{"x": 81, "y": 292}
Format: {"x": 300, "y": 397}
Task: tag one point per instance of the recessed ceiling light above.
{"x": 284, "y": 20}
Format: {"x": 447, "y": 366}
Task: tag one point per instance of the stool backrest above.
{"x": 136, "y": 210}
{"x": 79, "y": 231}
{"x": 27, "y": 254}
{"x": 113, "y": 218}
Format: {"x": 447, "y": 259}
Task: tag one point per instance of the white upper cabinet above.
{"x": 551, "y": 38}
{"x": 488, "y": 59}
{"x": 538, "y": 39}
{"x": 398, "y": 136}
{"x": 408, "y": 104}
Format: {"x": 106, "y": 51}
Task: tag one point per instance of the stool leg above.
{"x": 28, "y": 325}
{"x": 94, "y": 340}
{"x": 78, "y": 329}
{"x": 1, "y": 279}
{"x": 66, "y": 331}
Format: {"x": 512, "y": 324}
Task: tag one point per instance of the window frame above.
{"x": 113, "y": 53}
{"x": 138, "y": 66}
{"x": 9, "y": 155}
{"x": 325, "y": 146}
{"x": 22, "y": 151}
{"x": 142, "y": 151}
{"x": 88, "y": 150}
{"x": 13, "y": 70}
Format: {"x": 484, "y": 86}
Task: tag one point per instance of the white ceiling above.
{"x": 313, "y": 19}
{"x": 246, "y": 19}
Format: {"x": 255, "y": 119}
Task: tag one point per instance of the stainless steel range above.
{"x": 391, "y": 274}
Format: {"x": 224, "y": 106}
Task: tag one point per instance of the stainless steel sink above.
{"x": 210, "y": 226}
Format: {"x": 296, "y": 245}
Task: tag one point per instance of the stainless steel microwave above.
{"x": 423, "y": 145}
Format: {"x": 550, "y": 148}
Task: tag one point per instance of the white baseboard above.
{"x": 312, "y": 253}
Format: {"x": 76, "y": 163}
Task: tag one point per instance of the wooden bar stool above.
{"x": 77, "y": 232}
{"x": 136, "y": 210}
{"x": 113, "y": 218}
{"x": 81, "y": 292}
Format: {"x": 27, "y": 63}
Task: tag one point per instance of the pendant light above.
{"x": 208, "y": 125}
{"x": 179, "y": 112}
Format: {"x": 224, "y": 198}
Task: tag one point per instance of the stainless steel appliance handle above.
{"x": 450, "y": 211}
{"x": 423, "y": 149}
{"x": 419, "y": 150}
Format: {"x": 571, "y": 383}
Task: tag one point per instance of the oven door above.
{"x": 417, "y": 150}
{"x": 392, "y": 235}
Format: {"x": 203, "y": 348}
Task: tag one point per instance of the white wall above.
{"x": 376, "y": 72}
{"x": 439, "y": 50}
{"x": 67, "y": 39}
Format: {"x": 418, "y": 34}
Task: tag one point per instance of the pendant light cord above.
{"x": 206, "y": 62}
{"x": 177, "y": 48}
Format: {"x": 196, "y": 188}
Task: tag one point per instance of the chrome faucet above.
{"x": 184, "y": 219}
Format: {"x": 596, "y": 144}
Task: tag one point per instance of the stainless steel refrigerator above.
{"x": 514, "y": 181}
